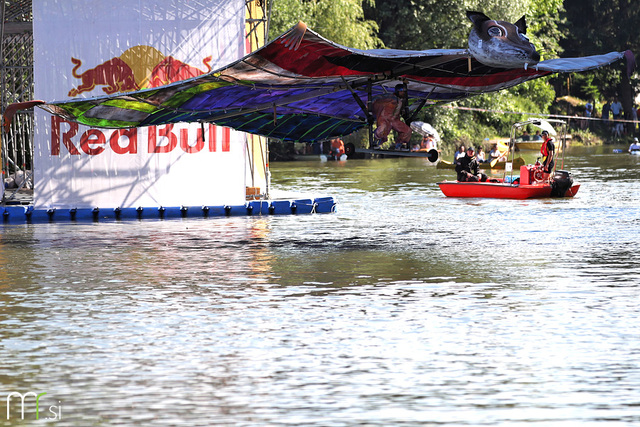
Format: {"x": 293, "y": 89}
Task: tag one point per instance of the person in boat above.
{"x": 480, "y": 155}
{"x": 428, "y": 143}
{"x": 526, "y": 136}
{"x": 388, "y": 110}
{"x": 467, "y": 168}
{"x": 548, "y": 151}
{"x": 635, "y": 146}
{"x": 537, "y": 136}
{"x": 494, "y": 153}
{"x": 458, "y": 154}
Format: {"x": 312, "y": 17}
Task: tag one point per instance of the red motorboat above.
{"x": 530, "y": 184}
{"x": 561, "y": 185}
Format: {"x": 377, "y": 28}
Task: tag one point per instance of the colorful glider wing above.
{"x": 302, "y": 87}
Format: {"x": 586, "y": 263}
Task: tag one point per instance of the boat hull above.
{"x": 528, "y": 145}
{"x": 500, "y": 190}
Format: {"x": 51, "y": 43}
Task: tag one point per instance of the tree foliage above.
{"x": 341, "y": 21}
{"x": 435, "y": 24}
{"x": 598, "y": 26}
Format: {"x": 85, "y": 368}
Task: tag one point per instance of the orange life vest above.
{"x": 544, "y": 148}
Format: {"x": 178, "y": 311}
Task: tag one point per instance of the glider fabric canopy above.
{"x": 302, "y": 87}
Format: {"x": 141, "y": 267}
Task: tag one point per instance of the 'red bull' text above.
{"x": 159, "y": 139}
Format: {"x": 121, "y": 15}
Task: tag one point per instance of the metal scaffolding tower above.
{"x": 16, "y": 78}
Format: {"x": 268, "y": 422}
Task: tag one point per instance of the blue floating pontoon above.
{"x": 27, "y": 214}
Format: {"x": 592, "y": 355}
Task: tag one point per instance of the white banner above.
{"x": 87, "y": 48}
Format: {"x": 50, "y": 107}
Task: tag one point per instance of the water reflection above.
{"x": 402, "y": 308}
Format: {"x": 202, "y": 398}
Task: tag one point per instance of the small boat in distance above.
{"x": 530, "y": 143}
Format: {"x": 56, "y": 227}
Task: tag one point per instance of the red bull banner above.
{"x": 85, "y": 49}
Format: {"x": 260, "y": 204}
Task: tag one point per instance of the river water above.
{"x": 402, "y": 308}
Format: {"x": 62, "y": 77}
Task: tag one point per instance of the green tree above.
{"x": 435, "y": 24}
{"x": 341, "y": 21}
{"x": 600, "y": 26}
{"x": 544, "y": 19}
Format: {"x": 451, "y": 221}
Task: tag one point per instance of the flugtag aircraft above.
{"x": 302, "y": 87}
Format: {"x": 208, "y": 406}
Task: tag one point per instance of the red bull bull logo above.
{"x": 139, "y": 67}
{"x": 115, "y": 75}
{"x": 171, "y": 70}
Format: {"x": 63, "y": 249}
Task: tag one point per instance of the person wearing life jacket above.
{"x": 548, "y": 151}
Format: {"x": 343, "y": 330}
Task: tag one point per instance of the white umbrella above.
{"x": 544, "y": 125}
{"x": 425, "y": 129}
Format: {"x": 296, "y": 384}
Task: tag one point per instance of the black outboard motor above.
{"x": 432, "y": 155}
{"x": 562, "y": 181}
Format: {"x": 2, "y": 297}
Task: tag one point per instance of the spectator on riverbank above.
{"x": 606, "y": 111}
{"x": 588, "y": 113}
{"x": 616, "y": 111}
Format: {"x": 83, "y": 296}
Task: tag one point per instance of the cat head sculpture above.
{"x": 501, "y": 44}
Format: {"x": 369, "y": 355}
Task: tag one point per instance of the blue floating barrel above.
{"x": 280, "y": 207}
{"x": 325, "y": 204}
{"x": 236, "y": 210}
{"x": 33, "y": 215}
{"x": 14, "y": 214}
{"x": 217, "y": 210}
{"x": 171, "y": 212}
{"x": 259, "y": 207}
{"x": 126, "y": 213}
{"x": 302, "y": 206}
{"x": 85, "y": 214}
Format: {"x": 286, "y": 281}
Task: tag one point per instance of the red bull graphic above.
{"x": 171, "y": 70}
{"x": 103, "y": 48}
{"x": 115, "y": 75}
{"x": 139, "y": 67}
{"x": 160, "y": 139}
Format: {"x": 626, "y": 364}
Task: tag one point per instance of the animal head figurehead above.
{"x": 501, "y": 44}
